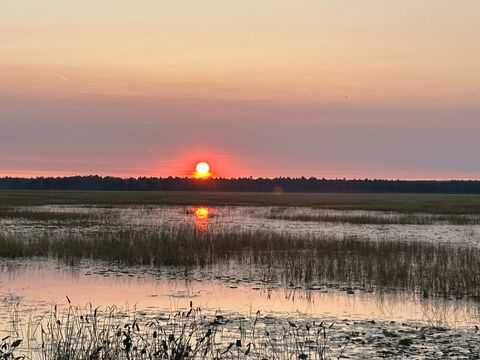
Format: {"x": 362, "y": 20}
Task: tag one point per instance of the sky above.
{"x": 325, "y": 88}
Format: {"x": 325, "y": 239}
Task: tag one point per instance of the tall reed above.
{"x": 92, "y": 333}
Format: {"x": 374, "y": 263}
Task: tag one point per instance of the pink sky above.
{"x": 276, "y": 88}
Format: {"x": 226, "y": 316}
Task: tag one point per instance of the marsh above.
{"x": 348, "y": 262}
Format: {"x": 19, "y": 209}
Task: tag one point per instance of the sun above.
{"x": 202, "y": 170}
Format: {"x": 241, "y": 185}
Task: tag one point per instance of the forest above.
{"x": 280, "y": 184}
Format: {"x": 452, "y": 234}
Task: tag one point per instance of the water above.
{"x": 38, "y": 283}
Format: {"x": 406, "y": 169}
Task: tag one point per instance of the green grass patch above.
{"x": 427, "y": 203}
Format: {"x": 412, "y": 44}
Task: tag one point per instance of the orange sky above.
{"x": 324, "y": 88}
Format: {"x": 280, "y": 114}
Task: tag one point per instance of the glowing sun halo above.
{"x": 202, "y": 170}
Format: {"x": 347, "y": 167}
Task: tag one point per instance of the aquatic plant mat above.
{"x": 94, "y": 333}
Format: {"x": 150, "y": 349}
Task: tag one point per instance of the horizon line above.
{"x": 242, "y": 178}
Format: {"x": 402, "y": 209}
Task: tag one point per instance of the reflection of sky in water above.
{"x": 243, "y": 218}
{"x": 39, "y": 286}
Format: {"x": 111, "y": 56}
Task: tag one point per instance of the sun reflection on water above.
{"x": 201, "y": 218}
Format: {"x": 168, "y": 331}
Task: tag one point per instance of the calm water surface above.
{"x": 37, "y": 284}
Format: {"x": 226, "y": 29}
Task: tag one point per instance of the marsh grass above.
{"x": 46, "y": 216}
{"x": 429, "y": 269}
{"x": 277, "y": 213}
{"x": 91, "y": 333}
{"x": 376, "y": 218}
{"x": 406, "y": 203}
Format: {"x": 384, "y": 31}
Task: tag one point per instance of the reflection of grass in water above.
{"x": 90, "y": 333}
{"x": 380, "y": 218}
{"x": 425, "y": 267}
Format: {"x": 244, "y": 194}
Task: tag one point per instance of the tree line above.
{"x": 280, "y": 184}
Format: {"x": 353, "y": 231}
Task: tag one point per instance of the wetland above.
{"x": 310, "y": 276}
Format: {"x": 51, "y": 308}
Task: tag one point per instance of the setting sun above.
{"x": 202, "y": 170}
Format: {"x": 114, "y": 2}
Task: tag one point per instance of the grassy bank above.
{"x": 429, "y": 203}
